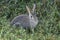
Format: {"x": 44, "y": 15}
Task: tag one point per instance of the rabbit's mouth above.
{"x": 33, "y": 23}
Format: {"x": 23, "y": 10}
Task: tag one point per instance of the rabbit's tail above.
{"x": 12, "y": 23}
{"x": 15, "y": 23}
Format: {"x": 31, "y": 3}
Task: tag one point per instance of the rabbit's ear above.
{"x": 28, "y": 9}
{"x": 34, "y": 6}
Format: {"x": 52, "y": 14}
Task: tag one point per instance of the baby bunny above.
{"x": 26, "y": 21}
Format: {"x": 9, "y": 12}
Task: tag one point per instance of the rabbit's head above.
{"x": 33, "y": 18}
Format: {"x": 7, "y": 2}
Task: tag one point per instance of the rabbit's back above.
{"x": 22, "y": 20}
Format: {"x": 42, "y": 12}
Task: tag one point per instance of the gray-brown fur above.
{"x": 26, "y": 21}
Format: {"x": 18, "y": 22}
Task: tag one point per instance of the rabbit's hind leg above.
{"x": 17, "y": 24}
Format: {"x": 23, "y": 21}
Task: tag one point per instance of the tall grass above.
{"x": 48, "y": 14}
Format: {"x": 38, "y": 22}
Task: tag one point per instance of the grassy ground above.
{"x": 48, "y": 14}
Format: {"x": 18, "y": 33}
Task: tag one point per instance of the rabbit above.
{"x": 27, "y": 21}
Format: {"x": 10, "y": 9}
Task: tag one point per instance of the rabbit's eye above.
{"x": 31, "y": 16}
